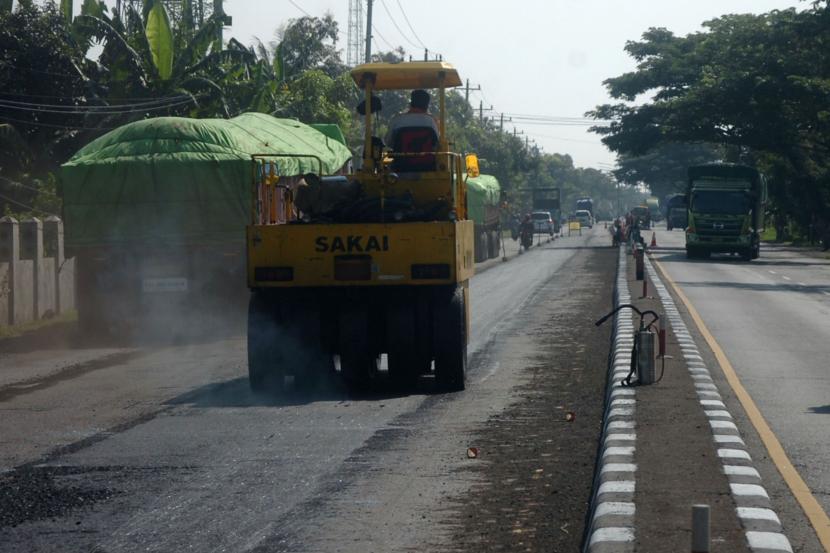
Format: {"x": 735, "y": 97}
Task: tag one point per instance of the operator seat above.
{"x": 414, "y": 140}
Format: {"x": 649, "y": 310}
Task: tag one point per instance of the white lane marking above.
{"x": 772, "y": 272}
{"x": 738, "y": 470}
{"x": 801, "y": 284}
{"x": 723, "y": 425}
{"x": 619, "y": 402}
{"x": 621, "y": 486}
{"x": 785, "y": 277}
{"x": 623, "y": 425}
{"x": 748, "y": 490}
{"x": 769, "y": 541}
{"x": 825, "y": 293}
{"x": 618, "y": 437}
{"x": 734, "y": 454}
{"x": 755, "y": 513}
{"x": 722, "y": 439}
{"x": 712, "y": 403}
{"x": 718, "y": 413}
{"x": 621, "y": 412}
{"x": 614, "y": 508}
{"x": 618, "y": 451}
{"x": 612, "y": 534}
{"x": 618, "y": 467}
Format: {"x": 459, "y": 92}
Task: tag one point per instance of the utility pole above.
{"x": 481, "y": 110}
{"x": 467, "y": 90}
{"x": 226, "y": 20}
{"x": 502, "y": 120}
{"x": 368, "y": 31}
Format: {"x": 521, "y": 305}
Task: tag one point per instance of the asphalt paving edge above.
{"x": 761, "y": 524}
{"x": 611, "y": 527}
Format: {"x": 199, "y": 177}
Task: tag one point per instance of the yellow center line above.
{"x": 818, "y": 518}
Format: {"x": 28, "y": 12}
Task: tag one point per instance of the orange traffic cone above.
{"x": 653, "y": 240}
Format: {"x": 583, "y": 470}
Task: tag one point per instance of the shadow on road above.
{"x": 823, "y": 410}
{"x": 237, "y": 393}
{"x": 777, "y": 287}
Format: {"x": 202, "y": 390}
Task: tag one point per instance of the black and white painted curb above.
{"x": 612, "y": 517}
{"x": 761, "y": 523}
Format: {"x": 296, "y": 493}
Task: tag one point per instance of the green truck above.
{"x": 155, "y": 213}
{"x": 483, "y": 207}
{"x": 726, "y": 210}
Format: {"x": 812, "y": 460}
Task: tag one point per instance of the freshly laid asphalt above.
{"x": 165, "y": 449}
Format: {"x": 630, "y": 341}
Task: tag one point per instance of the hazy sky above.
{"x": 541, "y": 57}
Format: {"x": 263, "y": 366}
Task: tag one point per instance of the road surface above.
{"x": 165, "y": 449}
{"x": 771, "y": 317}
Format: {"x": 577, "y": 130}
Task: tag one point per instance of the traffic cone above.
{"x": 653, "y": 240}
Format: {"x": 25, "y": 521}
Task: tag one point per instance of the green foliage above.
{"x": 160, "y": 40}
{"x": 757, "y": 86}
{"x": 663, "y": 169}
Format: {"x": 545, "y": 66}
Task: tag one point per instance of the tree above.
{"x": 756, "y": 85}
{"x": 663, "y": 170}
{"x": 309, "y": 43}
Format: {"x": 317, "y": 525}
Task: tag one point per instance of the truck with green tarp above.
{"x": 726, "y": 210}
{"x": 483, "y": 207}
{"x": 155, "y": 210}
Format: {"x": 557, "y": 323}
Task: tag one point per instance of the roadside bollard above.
{"x": 700, "y": 528}
{"x": 661, "y": 337}
{"x": 639, "y": 264}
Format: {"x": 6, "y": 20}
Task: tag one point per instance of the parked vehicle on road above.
{"x": 483, "y": 207}
{"x": 543, "y": 222}
{"x": 584, "y": 218}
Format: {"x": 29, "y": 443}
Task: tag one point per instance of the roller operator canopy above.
{"x": 407, "y": 75}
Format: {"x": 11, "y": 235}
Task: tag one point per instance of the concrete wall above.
{"x": 36, "y": 281}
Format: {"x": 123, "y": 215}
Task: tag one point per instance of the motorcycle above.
{"x": 526, "y": 236}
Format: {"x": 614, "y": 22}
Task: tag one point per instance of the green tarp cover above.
{"x": 482, "y": 191}
{"x": 331, "y": 130}
{"x": 175, "y": 180}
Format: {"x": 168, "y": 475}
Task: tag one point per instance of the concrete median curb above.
{"x": 611, "y": 526}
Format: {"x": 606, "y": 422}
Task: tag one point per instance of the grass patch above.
{"x": 31, "y": 326}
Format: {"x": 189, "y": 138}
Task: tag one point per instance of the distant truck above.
{"x": 586, "y": 204}
{"x": 483, "y": 207}
{"x": 675, "y": 209}
{"x": 726, "y": 210}
{"x": 653, "y": 205}
{"x": 155, "y": 214}
{"x": 642, "y": 216}
{"x": 549, "y": 199}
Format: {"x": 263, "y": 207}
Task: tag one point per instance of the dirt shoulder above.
{"x": 536, "y": 469}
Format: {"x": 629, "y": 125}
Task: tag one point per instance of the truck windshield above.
{"x": 724, "y": 202}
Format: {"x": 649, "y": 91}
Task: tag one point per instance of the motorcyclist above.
{"x": 526, "y": 230}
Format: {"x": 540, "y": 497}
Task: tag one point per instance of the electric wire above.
{"x": 53, "y": 126}
{"x": 293, "y": 3}
{"x": 20, "y": 184}
{"x": 92, "y": 111}
{"x": 411, "y": 28}
{"x": 148, "y": 102}
{"x": 395, "y": 23}
{"x": 26, "y": 206}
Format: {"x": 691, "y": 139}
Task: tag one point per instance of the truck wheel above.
{"x": 264, "y": 364}
{"x": 746, "y": 255}
{"x": 495, "y": 244}
{"x": 358, "y": 363}
{"x": 450, "y": 340}
{"x": 402, "y": 352}
{"x": 756, "y": 251}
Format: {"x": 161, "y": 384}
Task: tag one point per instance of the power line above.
{"x": 92, "y": 111}
{"x": 410, "y": 26}
{"x": 20, "y": 184}
{"x": 395, "y": 23}
{"x": 48, "y": 125}
{"x": 26, "y": 206}
{"x": 150, "y": 102}
{"x": 293, "y": 3}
